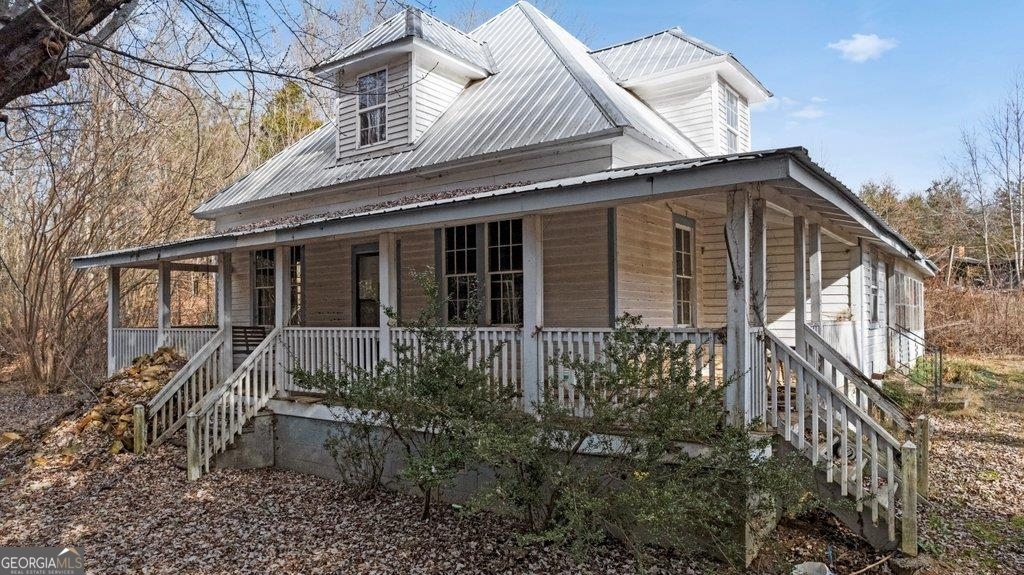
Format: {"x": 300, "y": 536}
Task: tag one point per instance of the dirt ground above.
{"x": 139, "y": 514}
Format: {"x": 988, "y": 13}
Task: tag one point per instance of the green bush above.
{"x": 648, "y": 459}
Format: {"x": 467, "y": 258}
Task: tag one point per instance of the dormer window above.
{"x": 373, "y": 92}
{"x": 732, "y": 121}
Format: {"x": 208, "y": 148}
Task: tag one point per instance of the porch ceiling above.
{"x": 788, "y": 177}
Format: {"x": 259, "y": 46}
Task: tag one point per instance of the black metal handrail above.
{"x": 935, "y": 351}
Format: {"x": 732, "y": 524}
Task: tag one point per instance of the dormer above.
{"x": 394, "y": 82}
{"x": 704, "y": 92}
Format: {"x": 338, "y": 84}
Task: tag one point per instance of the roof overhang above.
{"x": 726, "y": 66}
{"x": 375, "y": 57}
{"x": 786, "y": 169}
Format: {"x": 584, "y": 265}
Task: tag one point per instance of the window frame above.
{"x": 731, "y": 131}
{"x": 358, "y": 251}
{"x": 296, "y": 285}
{"x": 490, "y": 274}
{"x": 360, "y": 110}
{"x": 683, "y": 223}
{"x": 254, "y": 257}
{"x": 474, "y": 276}
{"x": 481, "y": 277}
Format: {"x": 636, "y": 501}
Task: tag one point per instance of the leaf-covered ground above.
{"x": 139, "y": 514}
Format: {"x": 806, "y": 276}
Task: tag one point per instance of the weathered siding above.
{"x": 644, "y": 261}
{"x": 397, "y": 109}
{"x": 835, "y": 293}
{"x": 241, "y": 290}
{"x": 416, "y": 256}
{"x": 329, "y": 283}
{"x": 688, "y": 106}
{"x": 875, "y": 333}
{"x": 576, "y": 269}
{"x": 434, "y": 90}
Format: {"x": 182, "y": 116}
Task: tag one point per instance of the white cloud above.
{"x": 808, "y": 112}
{"x": 863, "y": 47}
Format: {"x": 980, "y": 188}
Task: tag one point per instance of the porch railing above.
{"x": 165, "y": 413}
{"x": 831, "y": 430}
{"x": 855, "y": 385}
{"x": 588, "y": 344}
{"x": 131, "y": 342}
{"x": 503, "y": 345}
{"x": 219, "y": 417}
{"x": 333, "y": 349}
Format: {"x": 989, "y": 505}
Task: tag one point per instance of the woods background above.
{"x": 184, "y": 97}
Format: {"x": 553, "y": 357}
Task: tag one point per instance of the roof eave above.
{"x": 727, "y": 65}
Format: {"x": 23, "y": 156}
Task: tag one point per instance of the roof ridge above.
{"x": 634, "y": 40}
{"x": 365, "y": 34}
{"x": 678, "y": 33}
{"x": 608, "y": 109}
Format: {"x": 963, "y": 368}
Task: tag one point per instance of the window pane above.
{"x": 372, "y": 126}
{"x": 372, "y": 89}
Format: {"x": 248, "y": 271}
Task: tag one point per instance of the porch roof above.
{"x": 788, "y": 177}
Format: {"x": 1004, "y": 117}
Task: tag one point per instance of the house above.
{"x": 569, "y": 186}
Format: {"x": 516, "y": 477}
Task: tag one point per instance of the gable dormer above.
{"x": 394, "y": 82}
{"x": 704, "y": 92}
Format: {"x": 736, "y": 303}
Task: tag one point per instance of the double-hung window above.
{"x": 684, "y": 276}
{"x": 297, "y": 273}
{"x": 460, "y": 273}
{"x": 373, "y": 95}
{"x": 732, "y": 121}
{"x": 483, "y": 272}
{"x": 263, "y": 287}
{"x": 505, "y": 272}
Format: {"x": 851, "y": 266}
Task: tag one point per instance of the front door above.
{"x": 367, "y": 283}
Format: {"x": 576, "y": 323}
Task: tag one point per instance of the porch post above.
{"x": 387, "y": 291}
{"x": 163, "y": 302}
{"x": 533, "y": 309}
{"x": 737, "y": 318}
{"x": 224, "y": 313}
{"x": 814, "y": 254}
{"x": 800, "y": 283}
{"x": 759, "y": 263}
{"x": 282, "y": 309}
{"x": 113, "y": 315}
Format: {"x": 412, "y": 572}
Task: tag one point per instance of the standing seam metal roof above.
{"x": 547, "y": 88}
{"x": 660, "y": 52}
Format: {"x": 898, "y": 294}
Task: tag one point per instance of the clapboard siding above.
{"x": 644, "y": 274}
{"x": 743, "y": 142}
{"x": 416, "y": 258}
{"x": 688, "y": 107}
{"x": 329, "y": 282}
{"x": 434, "y": 91}
{"x": 576, "y": 269}
{"x": 397, "y": 109}
{"x": 835, "y": 294}
{"x": 241, "y": 291}
{"x": 875, "y": 334}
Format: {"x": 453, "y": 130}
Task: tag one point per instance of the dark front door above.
{"x": 367, "y": 308}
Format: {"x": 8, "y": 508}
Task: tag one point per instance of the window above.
{"x": 489, "y": 255}
{"x": 263, "y": 287}
{"x": 876, "y": 274}
{"x": 367, "y": 284}
{"x": 297, "y": 273}
{"x": 460, "y": 272}
{"x": 373, "y": 93}
{"x": 732, "y": 121}
{"x": 505, "y": 272}
{"x": 908, "y": 300}
{"x": 684, "y": 265}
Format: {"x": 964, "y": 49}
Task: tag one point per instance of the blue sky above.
{"x": 934, "y": 68}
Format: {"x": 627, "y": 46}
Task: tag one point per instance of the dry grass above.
{"x": 975, "y": 322}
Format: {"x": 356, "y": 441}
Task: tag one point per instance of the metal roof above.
{"x": 820, "y": 191}
{"x": 546, "y": 89}
{"x": 659, "y": 52}
{"x": 414, "y": 23}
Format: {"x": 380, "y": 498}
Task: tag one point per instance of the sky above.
{"x": 872, "y": 89}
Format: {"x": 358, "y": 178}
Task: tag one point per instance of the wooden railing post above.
{"x": 908, "y": 543}
{"x": 163, "y": 302}
{"x": 922, "y": 437}
{"x": 139, "y": 438}
{"x": 192, "y": 442}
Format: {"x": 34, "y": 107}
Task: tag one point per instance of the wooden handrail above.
{"x": 186, "y": 370}
{"x": 877, "y": 397}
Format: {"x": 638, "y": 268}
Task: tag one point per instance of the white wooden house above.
{"x": 571, "y": 185}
